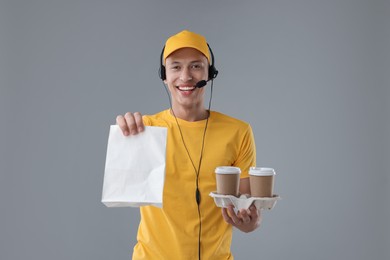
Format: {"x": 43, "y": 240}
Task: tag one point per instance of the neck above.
{"x": 190, "y": 114}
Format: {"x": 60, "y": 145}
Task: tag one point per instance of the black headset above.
{"x": 213, "y": 72}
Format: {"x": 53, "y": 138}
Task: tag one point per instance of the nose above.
{"x": 185, "y": 75}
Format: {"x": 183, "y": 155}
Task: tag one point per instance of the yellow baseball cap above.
{"x": 186, "y": 39}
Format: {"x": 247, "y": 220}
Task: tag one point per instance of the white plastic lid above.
{"x": 261, "y": 171}
{"x": 227, "y": 170}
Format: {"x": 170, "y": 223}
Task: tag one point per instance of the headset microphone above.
{"x": 201, "y": 83}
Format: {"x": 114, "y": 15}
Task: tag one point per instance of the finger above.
{"x": 138, "y": 121}
{"x": 244, "y": 216}
{"x": 121, "y": 122}
{"x": 233, "y": 215}
{"x": 226, "y": 216}
{"x": 254, "y": 212}
{"x": 130, "y": 121}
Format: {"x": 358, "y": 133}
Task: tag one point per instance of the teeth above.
{"x": 186, "y": 88}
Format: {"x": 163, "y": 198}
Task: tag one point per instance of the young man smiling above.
{"x": 190, "y": 226}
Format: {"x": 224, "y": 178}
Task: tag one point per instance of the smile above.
{"x": 192, "y": 88}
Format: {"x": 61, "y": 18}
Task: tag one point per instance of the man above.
{"x": 190, "y": 226}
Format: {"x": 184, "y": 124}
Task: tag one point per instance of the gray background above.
{"x": 312, "y": 77}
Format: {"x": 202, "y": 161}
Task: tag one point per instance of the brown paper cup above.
{"x": 261, "y": 181}
{"x": 228, "y": 180}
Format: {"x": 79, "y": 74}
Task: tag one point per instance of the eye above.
{"x": 175, "y": 67}
{"x": 196, "y": 66}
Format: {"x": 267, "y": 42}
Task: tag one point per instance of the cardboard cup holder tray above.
{"x": 244, "y": 201}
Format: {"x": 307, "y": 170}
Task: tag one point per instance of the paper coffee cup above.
{"x": 261, "y": 181}
{"x": 228, "y": 180}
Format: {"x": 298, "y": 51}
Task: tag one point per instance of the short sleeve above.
{"x": 247, "y": 153}
{"x": 146, "y": 120}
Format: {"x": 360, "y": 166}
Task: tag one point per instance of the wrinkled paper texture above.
{"x": 135, "y": 168}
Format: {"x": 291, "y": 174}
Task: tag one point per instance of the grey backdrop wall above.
{"x": 312, "y": 77}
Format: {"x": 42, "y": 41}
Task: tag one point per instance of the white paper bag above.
{"x": 135, "y": 168}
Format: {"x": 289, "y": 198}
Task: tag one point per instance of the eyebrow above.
{"x": 194, "y": 61}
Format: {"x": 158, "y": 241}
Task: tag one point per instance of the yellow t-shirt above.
{"x": 172, "y": 231}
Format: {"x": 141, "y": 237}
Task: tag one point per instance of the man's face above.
{"x": 184, "y": 68}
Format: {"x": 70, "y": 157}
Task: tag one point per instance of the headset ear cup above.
{"x": 162, "y": 72}
{"x": 212, "y": 72}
